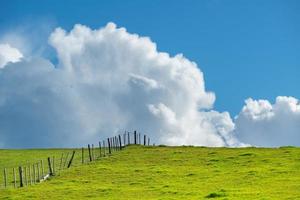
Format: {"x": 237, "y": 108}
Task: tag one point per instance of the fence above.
{"x": 43, "y": 169}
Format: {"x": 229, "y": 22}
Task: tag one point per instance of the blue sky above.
{"x": 245, "y": 48}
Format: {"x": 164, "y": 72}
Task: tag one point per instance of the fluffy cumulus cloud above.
{"x": 264, "y": 124}
{"x": 107, "y": 81}
{"x": 9, "y": 54}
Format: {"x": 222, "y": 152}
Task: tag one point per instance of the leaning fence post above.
{"x": 70, "y": 162}
{"x": 21, "y": 176}
{"x": 50, "y": 167}
{"x": 108, "y": 142}
{"x": 90, "y": 155}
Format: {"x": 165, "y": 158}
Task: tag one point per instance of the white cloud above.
{"x": 107, "y": 80}
{"x": 264, "y": 124}
{"x": 9, "y": 54}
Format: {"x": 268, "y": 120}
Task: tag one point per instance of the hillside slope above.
{"x": 176, "y": 173}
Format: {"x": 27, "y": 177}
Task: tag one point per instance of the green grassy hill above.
{"x": 167, "y": 173}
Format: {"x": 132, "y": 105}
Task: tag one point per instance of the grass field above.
{"x": 167, "y": 173}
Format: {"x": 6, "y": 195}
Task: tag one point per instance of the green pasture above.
{"x": 139, "y": 172}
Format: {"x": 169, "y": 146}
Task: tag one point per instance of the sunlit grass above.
{"x": 169, "y": 173}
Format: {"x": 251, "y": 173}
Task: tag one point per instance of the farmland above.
{"x": 149, "y": 172}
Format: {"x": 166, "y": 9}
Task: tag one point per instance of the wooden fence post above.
{"x": 70, "y": 162}
{"x": 15, "y": 179}
{"x": 21, "y": 176}
{"x": 134, "y": 137}
{"x": 120, "y": 141}
{"x": 50, "y": 167}
{"x": 82, "y": 155}
{"x": 144, "y": 140}
{"x": 5, "y": 178}
{"x": 108, "y": 142}
{"x": 90, "y": 155}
